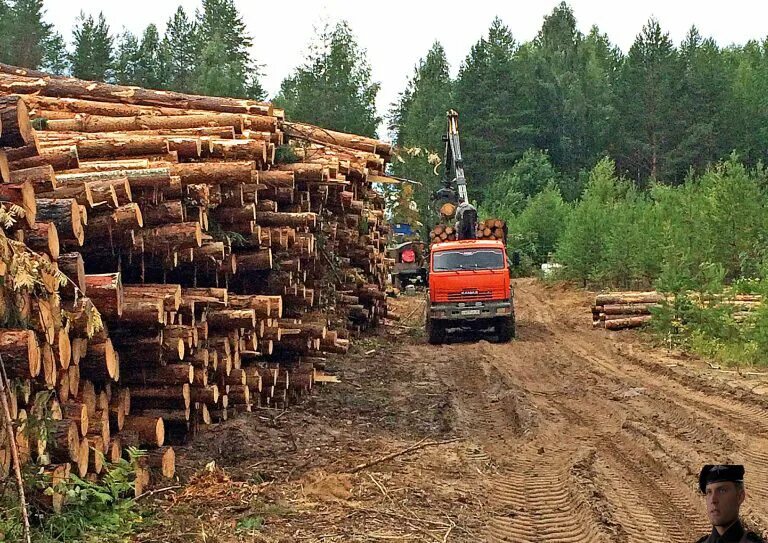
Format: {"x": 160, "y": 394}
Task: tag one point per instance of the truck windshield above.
{"x": 473, "y": 259}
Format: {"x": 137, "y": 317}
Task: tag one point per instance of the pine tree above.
{"x": 495, "y": 109}
{"x": 151, "y": 64}
{"x": 180, "y": 51}
{"x": 333, "y": 89}
{"x": 55, "y": 55}
{"x": 92, "y": 56}
{"x": 225, "y": 67}
{"x": 126, "y": 59}
{"x": 701, "y": 104}
{"x": 646, "y": 95}
{"x": 25, "y": 38}
{"x": 418, "y": 120}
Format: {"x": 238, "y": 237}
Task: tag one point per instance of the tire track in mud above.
{"x": 539, "y": 502}
{"x": 646, "y": 447}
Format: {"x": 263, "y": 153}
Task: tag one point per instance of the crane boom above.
{"x": 455, "y": 183}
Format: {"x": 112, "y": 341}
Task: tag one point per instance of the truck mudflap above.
{"x": 470, "y": 310}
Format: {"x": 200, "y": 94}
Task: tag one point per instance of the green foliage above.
{"x": 179, "y": 49}
{"x": 92, "y": 57}
{"x": 536, "y": 231}
{"x": 418, "y": 120}
{"x": 495, "y": 109}
{"x": 224, "y": 67}
{"x": 249, "y": 525}
{"x": 25, "y": 38}
{"x": 333, "y": 88}
{"x": 103, "y": 511}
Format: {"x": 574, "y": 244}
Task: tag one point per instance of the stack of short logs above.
{"x": 486, "y": 229}
{"x": 226, "y": 251}
{"x": 621, "y": 310}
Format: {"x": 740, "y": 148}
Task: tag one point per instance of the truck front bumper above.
{"x": 470, "y": 310}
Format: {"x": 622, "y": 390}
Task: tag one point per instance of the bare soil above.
{"x": 567, "y": 434}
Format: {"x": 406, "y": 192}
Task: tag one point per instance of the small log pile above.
{"x": 630, "y": 309}
{"x": 486, "y": 229}
{"x": 222, "y": 274}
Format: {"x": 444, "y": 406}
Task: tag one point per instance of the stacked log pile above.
{"x": 629, "y": 309}
{"x": 486, "y": 229}
{"x": 225, "y": 250}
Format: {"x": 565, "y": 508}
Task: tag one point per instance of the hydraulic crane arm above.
{"x": 454, "y": 163}
{"x": 455, "y": 184}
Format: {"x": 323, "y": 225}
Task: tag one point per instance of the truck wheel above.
{"x": 505, "y": 329}
{"x": 435, "y": 332}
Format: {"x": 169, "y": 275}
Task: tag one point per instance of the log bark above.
{"x": 100, "y": 362}
{"x": 71, "y": 265}
{"x": 41, "y": 178}
{"x": 14, "y": 120}
{"x": 106, "y": 292}
{"x": 164, "y": 397}
{"x": 60, "y": 87}
{"x": 287, "y": 219}
{"x": 21, "y": 353}
{"x": 151, "y": 430}
{"x": 23, "y": 195}
{"x": 43, "y": 238}
{"x": 629, "y": 322}
{"x": 230, "y": 319}
{"x": 60, "y": 158}
{"x": 97, "y": 123}
{"x": 255, "y": 261}
{"x": 172, "y": 374}
{"x": 66, "y": 215}
{"x": 216, "y": 173}
{"x": 169, "y": 294}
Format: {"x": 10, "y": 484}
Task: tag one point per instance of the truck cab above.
{"x": 469, "y": 287}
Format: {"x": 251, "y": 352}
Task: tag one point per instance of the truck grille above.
{"x": 475, "y": 296}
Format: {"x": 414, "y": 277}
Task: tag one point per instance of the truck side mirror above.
{"x": 516, "y": 259}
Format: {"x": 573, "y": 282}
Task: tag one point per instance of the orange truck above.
{"x": 469, "y": 279}
{"x": 469, "y": 287}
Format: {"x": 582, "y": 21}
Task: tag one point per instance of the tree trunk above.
{"x": 60, "y": 158}
{"x": 15, "y": 128}
{"x": 66, "y": 214}
{"x": 23, "y": 195}
{"x": 21, "y": 353}
{"x": 106, "y": 292}
{"x": 96, "y": 123}
{"x": 216, "y": 173}
{"x": 287, "y": 219}
{"x": 151, "y": 430}
{"x": 46, "y": 85}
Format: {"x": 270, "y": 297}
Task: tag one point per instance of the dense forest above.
{"x": 634, "y": 169}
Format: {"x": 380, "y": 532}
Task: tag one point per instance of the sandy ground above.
{"x": 567, "y": 434}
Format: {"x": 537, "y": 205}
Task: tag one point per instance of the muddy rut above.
{"x": 585, "y": 436}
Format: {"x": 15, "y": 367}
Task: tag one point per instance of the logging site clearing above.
{"x": 568, "y": 433}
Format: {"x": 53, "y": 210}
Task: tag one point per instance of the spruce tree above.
{"x": 126, "y": 59}
{"x": 645, "y": 102}
{"x": 180, "y": 52}
{"x": 418, "y": 120}
{"x": 494, "y": 107}
{"x": 151, "y": 64}
{"x": 225, "y": 67}
{"x": 333, "y": 88}
{"x": 92, "y": 54}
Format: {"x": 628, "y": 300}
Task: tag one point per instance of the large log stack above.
{"x": 630, "y": 309}
{"x": 221, "y": 274}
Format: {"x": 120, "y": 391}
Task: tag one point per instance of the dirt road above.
{"x": 594, "y": 438}
{"x": 568, "y": 434}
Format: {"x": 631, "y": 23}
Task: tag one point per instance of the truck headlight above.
{"x": 503, "y": 310}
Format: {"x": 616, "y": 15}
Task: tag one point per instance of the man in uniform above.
{"x": 723, "y": 487}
